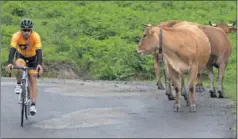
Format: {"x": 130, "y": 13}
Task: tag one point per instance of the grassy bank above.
{"x": 99, "y": 38}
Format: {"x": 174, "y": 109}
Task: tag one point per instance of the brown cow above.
{"x": 185, "y": 48}
{"x": 227, "y": 28}
{"x": 220, "y": 52}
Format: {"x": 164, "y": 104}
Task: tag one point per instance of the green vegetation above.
{"x": 99, "y": 38}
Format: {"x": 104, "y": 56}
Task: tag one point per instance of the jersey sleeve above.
{"x": 37, "y": 41}
{"x": 14, "y": 40}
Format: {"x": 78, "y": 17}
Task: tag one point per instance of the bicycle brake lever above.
{"x": 38, "y": 75}
{"x": 10, "y": 74}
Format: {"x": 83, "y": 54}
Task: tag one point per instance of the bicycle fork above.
{"x": 24, "y": 93}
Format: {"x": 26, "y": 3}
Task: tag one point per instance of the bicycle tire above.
{"x": 27, "y": 106}
{"x": 23, "y": 101}
{"x": 26, "y": 112}
{"x": 22, "y": 111}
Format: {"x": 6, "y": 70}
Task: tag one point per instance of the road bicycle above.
{"x": 24, "y": 97}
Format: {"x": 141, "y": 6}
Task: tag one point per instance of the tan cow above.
{"x": 158, "y": 59}
{"x": 185, "y": 48}
{"x": 220, "y": 53}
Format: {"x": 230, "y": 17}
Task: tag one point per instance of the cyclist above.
{"x": 27, "y": 46}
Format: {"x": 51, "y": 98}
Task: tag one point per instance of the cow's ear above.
{"x": 234, "y": 23}
{"x": 232, "y": 29}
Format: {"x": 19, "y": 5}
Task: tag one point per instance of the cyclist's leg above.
{"x": 19, "y": 62}
{"x": 33, "y": 84}
{"x": 33, "y": 87}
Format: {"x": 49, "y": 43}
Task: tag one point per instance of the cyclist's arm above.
{"x": 11, "y": 55}
{"x": 39, "y": 56}
{"x": 38, "y": 49}
{"x": 12, "y": 49}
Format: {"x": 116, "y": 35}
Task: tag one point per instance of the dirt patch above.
{"x": 60, "y": 70}
{"x": 100, "y": 89}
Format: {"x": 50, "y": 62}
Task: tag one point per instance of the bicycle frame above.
{"x": 25, "y": 81}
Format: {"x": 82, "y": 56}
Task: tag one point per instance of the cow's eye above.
{"x": 144, "y": 35}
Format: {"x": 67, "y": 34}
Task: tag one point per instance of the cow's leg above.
{"x": 212, "y": 90}
{"x": 191, "y": 88}
{"x": 169, "y": 90}
{"x": 199, "y": 85}
{"x": 168, "y": 83}
{"x": 221, "y": 72}
{"x": 157, "y": 72}
{"x": 178, "y": 89}
{"x": 176, "y": 79}
{"x": 184, "y": 91}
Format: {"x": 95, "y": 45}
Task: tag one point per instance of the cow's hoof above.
{"x": 221, "y": 93}
{"x": 177, "y": 107}
{"x": 185, "y": 96}
{"x": 185, "y": 93}
{"x": 160, "y": 86}
{"x": 192, "y": 108}
{"x": 199, "y": 88}
{"x": 187, "y": 103}
{"x": 212, "y": 93}
{"x": 171, "y": 97}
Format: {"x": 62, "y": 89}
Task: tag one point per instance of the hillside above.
{"x": 97, "y": 40}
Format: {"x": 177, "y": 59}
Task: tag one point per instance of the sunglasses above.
{"x": 26, "y": 30}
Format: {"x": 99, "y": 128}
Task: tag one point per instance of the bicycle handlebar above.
{"x": 24, "y": 68}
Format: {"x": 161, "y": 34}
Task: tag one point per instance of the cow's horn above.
{"x": 211, "y": 23}
{"x": 148, "y": 25}
{"x": 232, "y": 24}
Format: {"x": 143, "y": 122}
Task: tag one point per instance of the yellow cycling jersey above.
{"x": 32, "y": 43}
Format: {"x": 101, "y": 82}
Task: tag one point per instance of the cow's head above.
{"x": 227, "y": 28}
{"x": 149, "y": 42}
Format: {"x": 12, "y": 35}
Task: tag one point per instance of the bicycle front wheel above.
{"x": 23, "y": 96}
{"x": 22, "y": 111}
{"x": 27, "y": 105}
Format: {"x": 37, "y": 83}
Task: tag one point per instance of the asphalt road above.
{"x": 75, "y": 109}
